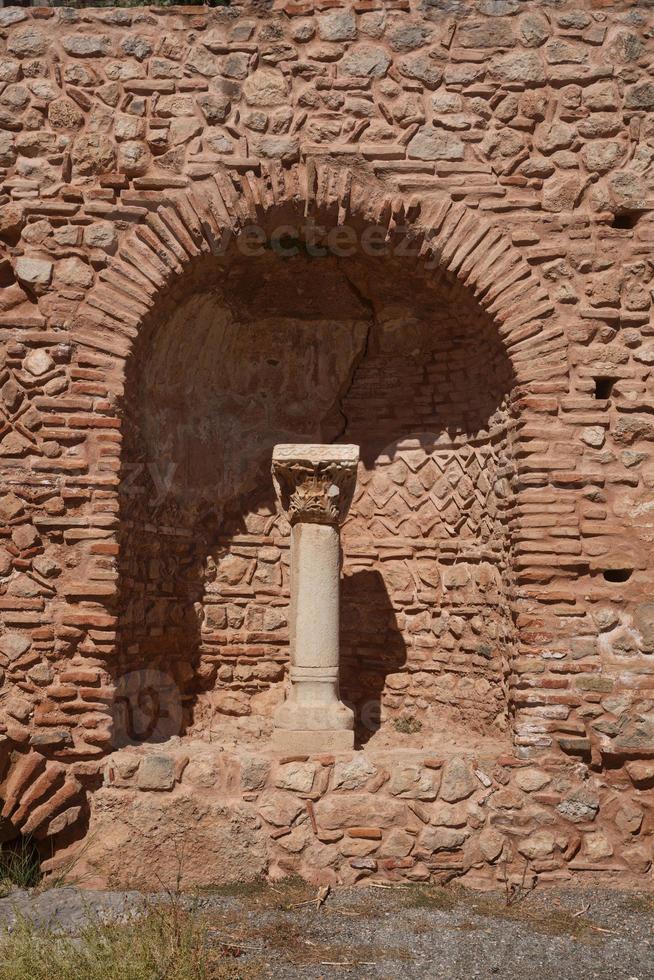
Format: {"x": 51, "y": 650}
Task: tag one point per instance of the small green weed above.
{"x": 20, "y": 865}
{"x": 407, "y": 725}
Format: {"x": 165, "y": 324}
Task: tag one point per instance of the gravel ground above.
{"x": 415, "y": 932}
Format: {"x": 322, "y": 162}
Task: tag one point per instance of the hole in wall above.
{"x": 20, "y": 862}
{"x": 604, "y": 387}
{"x": 625, "y": 219}
{"x": 7, "y": 277}
{"x": 617, "y": 574}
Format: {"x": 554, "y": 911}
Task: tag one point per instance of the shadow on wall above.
{"x": 240, "y": 355}
{"x": 156, "y": 666}
{"x": 372, "y": 647}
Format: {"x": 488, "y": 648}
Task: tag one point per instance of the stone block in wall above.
{"x": 457, "y": 782}
{"x": 160, "y": 772}
{"x": 641, "y": 773}
{"x": 353, "y": 774}
{"x": 296, "y": 776}
{"x": 280, "y": 809}
{"x": 338, "y": 812}
{"x": 414, "y": 782}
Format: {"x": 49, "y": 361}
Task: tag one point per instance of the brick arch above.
{"x": 194, "y": 222}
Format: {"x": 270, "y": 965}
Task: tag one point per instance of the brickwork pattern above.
{"x": 515, "y": 141}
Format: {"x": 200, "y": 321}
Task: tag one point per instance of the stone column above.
{"x": 314, "y": 485}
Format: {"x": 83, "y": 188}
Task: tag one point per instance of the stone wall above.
{"x": 211, "y": 814}
{"x": 497, "y": 556}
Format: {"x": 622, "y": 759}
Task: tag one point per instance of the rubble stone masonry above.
{"x": 422, "y": 227}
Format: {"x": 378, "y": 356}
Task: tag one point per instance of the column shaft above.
{"x": 315, "y": 573}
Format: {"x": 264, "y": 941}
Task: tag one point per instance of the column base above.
{"x": 310, "y": 742}
{"x": 324, "y": 714}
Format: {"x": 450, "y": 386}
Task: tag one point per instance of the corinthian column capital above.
{"x": 315, "y": 484}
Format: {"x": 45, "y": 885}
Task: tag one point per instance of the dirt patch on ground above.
{"x": 291, "y": 930}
